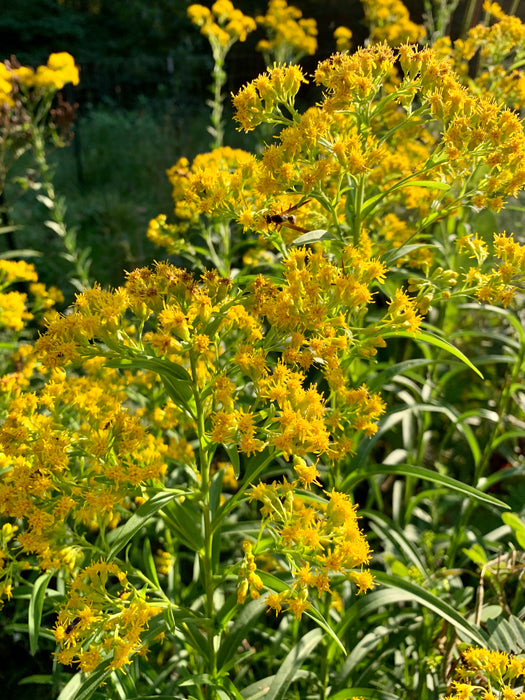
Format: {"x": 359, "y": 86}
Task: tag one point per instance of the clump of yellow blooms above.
{"x": 223, "y": 23}
{"x": 488, "y": 675}
{"x": 501, "y": 283}
{"x": 17, "y": 308}
{"x": 289, "y": 35}
{"x": 317, "y": 538}
{"x": 343, "y": 38}
{"x": 103, "y": 619}
{"x": 389, "y": 20}
{"x": 490, "y": 56}
{"x": 396, "y": 144}
{"x": 59, "y": 70}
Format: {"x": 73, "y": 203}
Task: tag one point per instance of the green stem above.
{"x": 206, "y": 554}
{"x": 56, "y": 210}
{"x": 358, "y": 205}
{"x": 219, "y": 80}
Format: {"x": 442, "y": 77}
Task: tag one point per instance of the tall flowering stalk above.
{"x": 26, "y": 98}
{"x": 223, "y": 26}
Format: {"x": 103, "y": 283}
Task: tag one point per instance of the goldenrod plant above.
{"x": 223, "y": 25}
{"x": 30, "y": 123}
{"x": 285, "y": 470}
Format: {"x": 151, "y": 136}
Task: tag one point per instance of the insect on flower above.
{"x": 286, "y": 218}
{"x": 72, "y": 625}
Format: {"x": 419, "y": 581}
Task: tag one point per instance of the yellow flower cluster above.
{"x": 201, "y": 187}
{"x": 190, "y": 323}
{"x": 290, "y": 36}
{"x": 500, "y": 284}
{"x": 16, "y": 271}
{"x": 258, "y": 101}
{"x": 496, "y": 50}
{"x": 317, "y": 538}
{"x": 389, "y": 20}
{"x": 223, "y": 24}
{"x": 78, "y": 457}
{"x": 59, "y": 70}
{"x": 6, "y": 86}
{"x": 103, "y": 619}
{"x": 343, "y": 38}
{"x": 16, "y": 308}
{"x": 488, "y": 675}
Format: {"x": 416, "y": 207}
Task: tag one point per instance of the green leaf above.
{"x": 45, "y": 200}
{"x": 293, "y": 661}
{"x": 410, "y": 591}
{"x": 507, "y": 635}
{"x": 392, "y": 255}
{"x": 241, "y": 628}
{"x": 233, "y": 453}
{"x": 37, "y": 678}
{"x": 232, "y": 690}
{"x": 8, "y": 229}
{"x": 149, "y": 562}
{"x": 20, "y": 253}
{"x": 179, "y": 392}
{"x": 421, "y": 473}
{"x": 56, "y": 227}
{"x": 438, "y": 342}
{"x": 312, "y": 237}
{"x": 372, "y": 693}
{"x": 82, "y": 688}
{"x": 122, "y": 535}
{"x": 514, "y": 521}
{"x": 36, "y": 603}
{"x": 185, "y": 521}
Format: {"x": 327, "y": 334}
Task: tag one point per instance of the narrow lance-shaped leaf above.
{"x": 293, "y": 661}
{"x": 36, "y": 604}
{"x": 421, "y": 473}
{"x": 122, "y": 535}
{"x": 437, "y": 342}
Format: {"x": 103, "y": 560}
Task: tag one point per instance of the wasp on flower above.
{"x": 286, "y": 218}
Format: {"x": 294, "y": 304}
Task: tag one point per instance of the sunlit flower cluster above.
{"x": 17, "y": 308}
{"x": 263, "y": 99}
{"x": 389, "y": 20}
{"x": 223, "y": 24}
{"x": 59, "y": 70}
{"x": 289, "y": 35}
{"x": 491, "y": 57}
{"x": 316, "y": 537}
{"x": 78, "y": 457}
{"x": 497, "y": 282}
{"x": 103, "y": 620}
{"x": 485, "y": 674}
